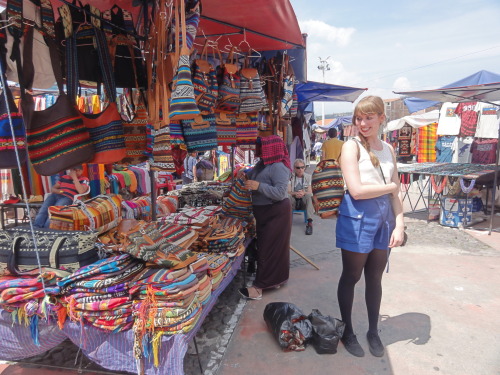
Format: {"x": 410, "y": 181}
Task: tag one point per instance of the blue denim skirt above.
{"x": 365, "y": 224}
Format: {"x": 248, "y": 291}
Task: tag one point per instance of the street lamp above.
{"x": 323, "y": 66}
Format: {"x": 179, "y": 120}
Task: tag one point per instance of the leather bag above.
{"x": 57, "y": 138}
{"x": 56, "y": 249}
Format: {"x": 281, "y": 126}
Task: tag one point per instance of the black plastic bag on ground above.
{"x": 327, "y": 332}
{"x": 289, "y": 325}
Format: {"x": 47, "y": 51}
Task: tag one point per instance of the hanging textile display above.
{"x": 427, "y": 139}
{"x": 200, "y": 133}
{"x": 135, "y": 133}
{"x": 229, "y": 85}
{"x": 162, "y": 151}
{"x": 205, "y": 83}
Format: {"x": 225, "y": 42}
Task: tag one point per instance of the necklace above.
{"x": 467, "y": 189}
{"x": 439, "y": 188}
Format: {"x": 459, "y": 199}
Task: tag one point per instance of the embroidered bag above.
{"x": 162, "y": 151}
{"x": 229, "y": 86}
{"x": 135, "y": 132}
{"x": 106, "y": 128}
{"x": 205, "y": 83}
{"x": 56, "y": 249}
{"x": 246, "y": 128}
{"x": 57, "y": 138}
{"x": 182, "y": 102}
{"x": 252, "y": 95}
{"x": 328, "y": 187}
{"x": 8, "y": 107}
{"x": 200, "y": 133}
{"x": 226, "y": 128}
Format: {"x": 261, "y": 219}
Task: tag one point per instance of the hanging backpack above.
{"x": 205, "y": 83}
{"x": 252, "y": 95}
{"x": 229, "y": 85}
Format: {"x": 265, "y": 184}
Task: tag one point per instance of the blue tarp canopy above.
{"x": 415, "y": 104}
{"x": 324, "y": 92}
{"x": 335, "y": 123}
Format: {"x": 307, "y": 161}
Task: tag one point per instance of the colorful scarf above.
{"x": 274, "y": 151}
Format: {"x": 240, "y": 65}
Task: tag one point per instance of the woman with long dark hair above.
{"x": 268, "y": 181}
{"x": 370, "y": 220}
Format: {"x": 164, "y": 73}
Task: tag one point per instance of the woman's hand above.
{"x": 397, "y": 237}
{"x": 252, "y": 184}
{"x": 241, "y": 174}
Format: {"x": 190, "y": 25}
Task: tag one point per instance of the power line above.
{"x": 431, "y": 64}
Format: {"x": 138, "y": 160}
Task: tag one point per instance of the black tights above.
{"x": 353, "y": 265}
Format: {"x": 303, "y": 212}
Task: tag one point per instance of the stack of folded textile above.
{"x": 166, "y": 302}
{"x": 98, "y": 294}
{"x": 167, "y": 204}
{"x": 138, "y": 208}
{"x": 30, "y": 297}
{"x": 216, "y": 267}
{"x": 220, "y": 238}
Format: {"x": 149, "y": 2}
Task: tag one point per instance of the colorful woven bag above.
{"x": 105, "y": 128}
{"x": 239, "y": 202}
{"x": 328, "y": 187}
{"x": 182, "y": 102}
{"x": 9, "y": 113}
{"x": 246, "y": 128}
{"x": 252, "y": 95}
{"x": 229, "y": 86}
{"x": 162, "y": 151}
{"x": 205, "y": 83}
{"x": 200, "y": 133}
{"x": 226, "y": 128}
{"x": 135, "y": 132}
{"x": 57, "y": 138}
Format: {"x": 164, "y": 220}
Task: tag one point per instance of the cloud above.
{"x": 320, "y": 30}
{"x": 402, "y": 84}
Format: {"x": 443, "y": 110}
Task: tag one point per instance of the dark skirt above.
{"x": 274, "y": 226}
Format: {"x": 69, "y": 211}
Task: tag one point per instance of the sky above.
{"x": 403, "y": 45}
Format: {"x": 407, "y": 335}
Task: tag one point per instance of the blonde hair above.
{"x": 369, "y": 105}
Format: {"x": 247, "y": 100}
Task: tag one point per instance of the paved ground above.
{"x": 439, "y": 312}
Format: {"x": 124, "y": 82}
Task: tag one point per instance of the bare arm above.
{"x": 56, "y": 188}
{"x": 80, "y": 188}
{"x": 397, "y": 207}
{"x": 350, "y": 170}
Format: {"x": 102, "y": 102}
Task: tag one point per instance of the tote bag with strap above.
{"x": 328, "y": 187}
{"x": 57, "y": 138}
{"x": 229, "y": 86}
{"x": 105, "y": 128}
{"x": 205, "y": 83}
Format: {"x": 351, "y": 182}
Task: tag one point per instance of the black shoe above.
{"x": 351, "y": 344}
{"x": 309, "y": 229}
{"x": 375, "y": 344}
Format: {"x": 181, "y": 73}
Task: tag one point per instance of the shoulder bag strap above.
{"x": 12, "y": 263}
{"x": 54, "y": 252}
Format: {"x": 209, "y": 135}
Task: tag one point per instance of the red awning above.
{"x": 266, "y": 24}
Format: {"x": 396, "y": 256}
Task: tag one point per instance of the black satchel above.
{"x": 63, "y": 250}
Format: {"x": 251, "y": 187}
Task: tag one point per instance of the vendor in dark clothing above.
{"x": 268, "y": 181}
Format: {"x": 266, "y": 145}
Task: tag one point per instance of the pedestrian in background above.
{"x": 300, "y": 192}
{"x": 331, "y": 148}
{"x": 189, "y": 174}
{"x": 370, "y": 220}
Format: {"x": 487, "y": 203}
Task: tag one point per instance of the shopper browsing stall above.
{"x": 370, "y": 220}
{"x": 189, "y": 174}
{"x": 268, "y": 181}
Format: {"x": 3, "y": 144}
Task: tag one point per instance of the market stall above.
{"x": 146, "y": 84}
{"x": 464, "y": 109}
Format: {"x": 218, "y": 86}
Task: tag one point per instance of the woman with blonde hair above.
{"x": 370, "y": 220}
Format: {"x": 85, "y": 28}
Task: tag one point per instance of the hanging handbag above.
{"x": 226, "y": 129}
{"x": 162, "y": 151}
{"x": 252, "y": 95}
{"x": 182, "y": 102}
{"x": 229, "y": 85}
{"x": 56, "y": 249}
{"x": 200, "y": 133}
{"x": 105, "y": 128}
{"x": 239, "y": 201}
{"x": 57, "y": 138}
{"x": 135, "y": 131}
{"x": 328, "y": 187}
{"x": 246, "y": 128}
{"x": 205, "y": 83}
{"x": 9, "y": 114}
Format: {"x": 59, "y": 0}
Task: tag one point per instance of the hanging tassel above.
{"x": 34, "y": 330}
{"x": 156, "y": 348}
{"x": 62, "y": 314}
{"x": 146, "y": 345}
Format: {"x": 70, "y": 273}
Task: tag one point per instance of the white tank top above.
{"x": 371, "y": 175}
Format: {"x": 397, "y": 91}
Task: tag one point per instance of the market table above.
{"x": 113, "y": 351}
{"x": 4, "y": 207}
{"x": 470, "y": 175}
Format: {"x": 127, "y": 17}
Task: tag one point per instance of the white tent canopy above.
{"x": 416, "y": 121}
